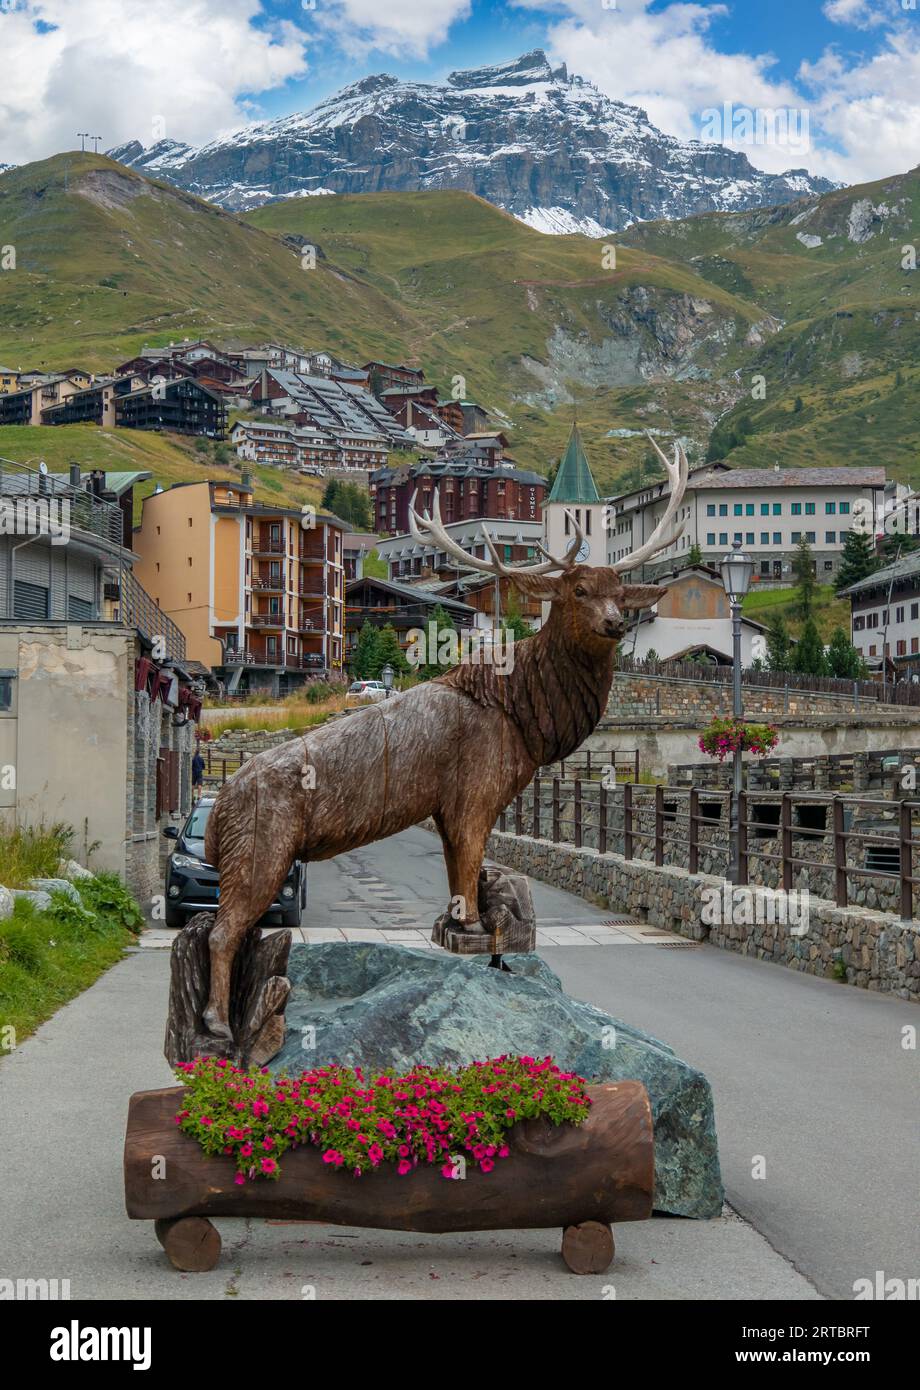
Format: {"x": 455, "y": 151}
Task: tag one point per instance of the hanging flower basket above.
{"x": 725, "y": 736}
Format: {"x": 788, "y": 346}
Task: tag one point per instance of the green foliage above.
{"x": 726, "y": 734}
{"x": 349, "y": 502}
{"x": 28, "y": 852}
{"x": 695, "y": 555}
{"x": 365, "y": 659}
{"x": 808, "y": 658}
{"x": 728, "y": 435}
{"x": 803, "y": 567}
{"x": 443, "y": 623}
{"x": 778, "y": 644}
{"x": 388, "y": 651}
{"x": 843, "y": 659}
{"x": 105, "y": 895}
{"x": 857, "y": 561}
{"x": 49, "y": 956}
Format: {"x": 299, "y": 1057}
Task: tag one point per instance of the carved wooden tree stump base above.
{"x": 578, "y": 1179}
{"x": 507, "y": 922}
{"x": 259, "y": 989}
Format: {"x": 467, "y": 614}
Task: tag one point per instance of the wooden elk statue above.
{"x": 458, "y": 748}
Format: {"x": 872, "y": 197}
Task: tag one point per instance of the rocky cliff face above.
{"x": 549, "y": 148}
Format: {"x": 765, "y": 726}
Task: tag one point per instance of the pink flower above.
{"x": 246, "y": 1150}
{"x": 404, "y": 1167}
{"x": 268, "y": 1165}
{"x": 239, "y": 1179}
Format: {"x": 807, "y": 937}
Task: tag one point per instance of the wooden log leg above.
{"x": 588, "y": 1248}
{"x": 191, "y": 1242}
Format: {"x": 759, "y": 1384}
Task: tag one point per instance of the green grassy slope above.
{"x": 849, "y": 347}
{"x": 669, "y": 337}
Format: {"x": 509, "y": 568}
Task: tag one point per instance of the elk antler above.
{"x": 678, "y": 471}
{"x": 430, "y": 530}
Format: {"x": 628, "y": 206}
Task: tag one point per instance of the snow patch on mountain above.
{"x": 549, "y": 148}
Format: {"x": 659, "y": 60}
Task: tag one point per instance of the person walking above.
{"x": 197, "y": 775}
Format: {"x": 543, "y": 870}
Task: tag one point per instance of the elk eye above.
{"x": 580, "y": 591}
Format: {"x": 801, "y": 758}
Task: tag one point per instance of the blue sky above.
{"x": 199, "y": 68}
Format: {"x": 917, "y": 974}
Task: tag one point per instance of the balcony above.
{"x": 263, "y": 545}
{"x": 270, "y": 583}
{"x": 275, "y": 620}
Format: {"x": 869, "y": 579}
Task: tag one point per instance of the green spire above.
{"x": 573, "y": 481}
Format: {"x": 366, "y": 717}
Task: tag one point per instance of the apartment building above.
{"x": 885, "y": 614}
{"x": 285, "y": 446}
{"x": 259, "y": 595}
{"x": 408, "y": 558}
{"x": 468, "y": 485}
{"x": 768, "y": 510}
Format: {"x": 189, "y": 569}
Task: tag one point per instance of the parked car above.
{"x": 360, "y": 691}
{"x": 192, "y": 885}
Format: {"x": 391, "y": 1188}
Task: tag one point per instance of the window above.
{"x": 828, "y": 564}
{"x": 749, "y": 509}
{"x": 29, "y": 600}
{"x": 6, "y": 689}
{"x": 79, "y": 610}
{"x": 765, "y": 538}
{"x": 710, "y": 508}
{"x": 723, "y": 509}
{"x": 859, "y": 623}
{"x": 765, "y": 567}
{"x": 810, "y": 537}
{"x": 749, "y": 537}
{"x": 738, "y": 510}
{"x": 777, "y": 537}
{"x": 830, "y": 537}
{"x": 777, "y": 508}
{"x": 796, "y": 509}
{"x": 901, "y": 647}
{"x": 765, "y": 509}
{"x": 830, "y": 508}
{"x": 710, "y": 537}
{"x": 899, "y": 615}
{"x": 914, "y": 610}
{"x": 723, "y": 538}
{"x": 737, "y": 537}
{"x": 844, "y": 508}
{"x": 872, "y": 650}
{"x": 914, "y": 645}
{"x": 809, "y": 508}
{"x": 796, "y": 537}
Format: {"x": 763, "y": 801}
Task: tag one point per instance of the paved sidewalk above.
{"x": 63, "y": 1102}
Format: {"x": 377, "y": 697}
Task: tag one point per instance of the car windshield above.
{"x": 194, "y": 828}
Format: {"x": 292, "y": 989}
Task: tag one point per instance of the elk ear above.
{"x": 542, "y": 586}
{"x": 640, "y": 595}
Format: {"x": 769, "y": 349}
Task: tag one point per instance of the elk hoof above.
{"x": 216, "y": 1026}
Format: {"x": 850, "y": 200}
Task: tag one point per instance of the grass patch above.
{"x": 291, "y": 714}
{"x": 33, "y": 852}
{"x": 47, "y": 957}
{"x": 830, "y": 612}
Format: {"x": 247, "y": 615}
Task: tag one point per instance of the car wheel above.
{"x": 290, "y": 917}
{"x": 174, "y": 918}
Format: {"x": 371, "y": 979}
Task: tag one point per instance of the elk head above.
{"x": 589, "y": 602}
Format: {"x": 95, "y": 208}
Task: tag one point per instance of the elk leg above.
{"x": 469, "y": 850}
{"x": 241, "y": 907}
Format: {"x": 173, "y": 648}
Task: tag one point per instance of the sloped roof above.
{"x": 908, "y": 565}
{"x": 574, "y": 481}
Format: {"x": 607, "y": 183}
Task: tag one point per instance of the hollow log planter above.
{"x": 580, "y": 1178}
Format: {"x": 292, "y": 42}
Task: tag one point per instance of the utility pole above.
{"x": 95, "y": 139}
{"x": 83, "y": 136}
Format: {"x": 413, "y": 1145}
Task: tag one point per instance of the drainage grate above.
{"x": 678, "y": 945}
{"x": 622, "y": 919}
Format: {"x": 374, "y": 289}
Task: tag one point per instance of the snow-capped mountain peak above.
{"x": 549, "y": 148}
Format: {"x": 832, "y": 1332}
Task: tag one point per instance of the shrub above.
{"x": 428, "y": 1116}
{"x": 105, "y": 895}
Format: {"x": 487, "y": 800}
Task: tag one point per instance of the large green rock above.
{"x": 380, "y": 1006}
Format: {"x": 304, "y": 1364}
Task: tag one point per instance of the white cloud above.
{"x": 861, "y": 14}
{"x": 112, "y": 67}
{"x": 405, "y": 28}
{"x": 863, "y": 113}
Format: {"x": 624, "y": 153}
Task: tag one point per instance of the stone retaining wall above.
{"x": 870, "y": 949}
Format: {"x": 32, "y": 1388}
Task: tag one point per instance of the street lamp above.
{"x": 737, "y": 570}
{"x": 386, "y": 675}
